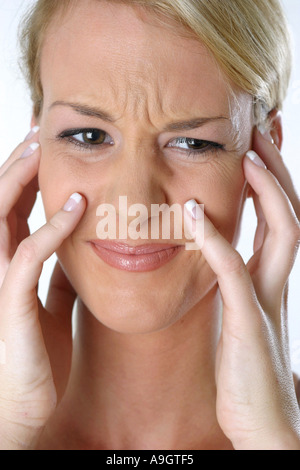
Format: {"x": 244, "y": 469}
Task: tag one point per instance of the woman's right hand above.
{"x": 28, "y": 394}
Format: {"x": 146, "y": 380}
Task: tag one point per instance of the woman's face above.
{"x": 148, "y": 89}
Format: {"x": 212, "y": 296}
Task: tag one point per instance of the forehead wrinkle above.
{"x": 141, "y": 99}
{"x": 144, "y": 92}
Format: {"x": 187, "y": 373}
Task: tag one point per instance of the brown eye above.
{"x": 94, "y": 137}
{"x": 196, "y": 144}
{"x": 194, "y": 147}
{"x": 87, "y": 138}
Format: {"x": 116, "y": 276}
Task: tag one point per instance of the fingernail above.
{"x": 265, "y": 134}
{"x": 30, "y": 150}
{"x": 33, "y": 131}
{"x": 72, "y": 203}
{"x": 195, "y": 209}
{"x": 255, "y": 159}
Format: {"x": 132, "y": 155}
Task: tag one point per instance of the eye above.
{"x": 87, "y": 137}
{"x": 194, "y": 146}
{"x": 93, "y": 136}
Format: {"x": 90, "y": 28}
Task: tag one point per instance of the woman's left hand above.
{"x": 256, "y": 401}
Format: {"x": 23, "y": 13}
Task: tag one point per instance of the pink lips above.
{"x": 135, "y": 258}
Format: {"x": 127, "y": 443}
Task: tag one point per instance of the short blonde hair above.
{"x": 248, "y": 38}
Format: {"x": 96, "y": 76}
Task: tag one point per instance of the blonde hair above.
{"x": 248, "y": 38}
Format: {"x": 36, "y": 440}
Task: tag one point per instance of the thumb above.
{"x": 26, "y": 266}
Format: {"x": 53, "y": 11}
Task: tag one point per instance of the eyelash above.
{"x": 209, "y": 146}
{"x": 69, "y": 134}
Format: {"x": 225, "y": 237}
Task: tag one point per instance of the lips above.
{"x": 141, "y": 258}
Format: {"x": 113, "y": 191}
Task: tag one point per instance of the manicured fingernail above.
{"x": 72, "y": 203}
{"x": 255, "y": 159}
{"x": 33, "y": 131}
{"x": 30, "y": 150}
{"x": 266, "y": 134}
{"x": 194, "y": 209}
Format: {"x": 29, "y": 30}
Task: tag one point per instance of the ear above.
{"x": 275, "y": 119}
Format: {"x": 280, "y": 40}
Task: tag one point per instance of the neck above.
{"x": 153, "y": 391}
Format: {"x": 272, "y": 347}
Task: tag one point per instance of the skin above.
{"x": 134, "y": 350}
{"x": 145, "y": 99}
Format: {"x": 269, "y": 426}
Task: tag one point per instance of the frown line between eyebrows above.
{"x": 190, "y": 124}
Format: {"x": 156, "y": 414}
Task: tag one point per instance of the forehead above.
{"x": 125, "y": 59}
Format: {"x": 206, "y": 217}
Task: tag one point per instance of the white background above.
{"x": 15, "y": 113}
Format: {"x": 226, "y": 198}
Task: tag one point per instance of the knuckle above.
{"x": 27, "y": 250}
{"x": 211, "y": 234}
{"x": 233, "y": 263}
{"x": 55, "y": 225}
{"x": 14, "y": 156}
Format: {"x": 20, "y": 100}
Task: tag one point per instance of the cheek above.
{"x": 58, "y": 179}
{"x": 225, "y": 205}
{"x": 225, "y": 208}
{"x": 221, "y": 188}
{"x": 55, "y": 187}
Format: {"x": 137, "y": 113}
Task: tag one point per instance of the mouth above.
{"x": 140, "y": 258}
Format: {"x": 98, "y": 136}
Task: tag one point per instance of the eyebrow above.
{"x": 190, "y": 124}
{"x": 85, "y": 110}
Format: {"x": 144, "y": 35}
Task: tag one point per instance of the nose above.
{"x": 139, "y": 175}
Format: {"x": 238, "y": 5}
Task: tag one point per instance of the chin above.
{"x": 136, "y": 303}
{"x": 134, "y": 322}
{"x": 132, "y": 310}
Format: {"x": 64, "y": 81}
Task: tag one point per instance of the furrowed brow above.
{"x": 192, "y": 123}
{"x": 85, "y": 110}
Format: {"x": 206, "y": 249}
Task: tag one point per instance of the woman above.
{"x": 159, "y": 102}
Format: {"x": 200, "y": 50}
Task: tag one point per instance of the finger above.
{"x": 261, "y": 229}
{"x": 56, "y": 323}
{"x": 25, "y": 204}
{"x": 61, "y": 295}
{"x": 272, "y": 157}
{"x": 17, "y": 177}
{"x": 32, "y": 137}
{"x": 234, "y": 280}
{"x": 243, "y": 318}
{"x": 26, "y": 266}
{"x": 280, "y": 244}
{"x": 23, "y": 209}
